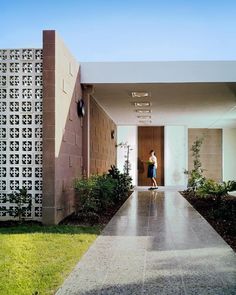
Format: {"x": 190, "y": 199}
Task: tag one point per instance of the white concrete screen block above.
{"x": 21, "y": 116}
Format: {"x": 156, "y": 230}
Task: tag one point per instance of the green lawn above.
{"x": 37, "y": 259}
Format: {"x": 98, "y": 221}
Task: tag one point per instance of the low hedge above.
{"x": 99, "y": 192}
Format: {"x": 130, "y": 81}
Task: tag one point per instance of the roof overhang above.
{"x": 200, "y": 94}
{"x": 158, "y": 72}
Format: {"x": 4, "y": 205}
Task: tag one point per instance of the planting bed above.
{"x": 221, "y": 214}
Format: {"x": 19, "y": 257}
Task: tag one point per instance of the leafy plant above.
{"x": 86, "y": 201}
{"x": 95, "y": 193}
{"x": 231, "y": 185}
{"x": 195, "y": 176}
{"x": 211, "y": 187}
{"x": 104, "y": 191}
{"x": 123, "y": 185}
{"x": 99, "y": 192}
{"x": 127, "y": 164}
{"x": 22, "y": 201}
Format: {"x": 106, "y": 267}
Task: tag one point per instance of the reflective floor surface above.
{"x": 155, "y": 244}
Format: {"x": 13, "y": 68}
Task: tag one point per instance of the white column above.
{"x": 176, "y": 154}
{"x": 128, "y": 134}
{"x": 229, "y": 154}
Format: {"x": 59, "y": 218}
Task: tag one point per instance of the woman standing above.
{"x": 152, "y": 168}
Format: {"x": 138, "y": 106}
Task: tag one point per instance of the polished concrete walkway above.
{"x": 155, "y": 244}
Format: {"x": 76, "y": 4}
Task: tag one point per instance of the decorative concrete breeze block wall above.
{"x": 40, "y": 132}
{"x": 21, "y": 127}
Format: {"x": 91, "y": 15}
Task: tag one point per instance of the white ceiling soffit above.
{"x": 158, "y": 72}
{"x": 196, "y": 105}
{"x": 199, "y": 94}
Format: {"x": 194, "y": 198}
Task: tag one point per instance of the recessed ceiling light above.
{"x": 142, "y": 104}
{"x": 142, "y": 111}
{"x": 144, "y": 117}
{"x": 139, "y": 94}
{"x": 145, "y": 121}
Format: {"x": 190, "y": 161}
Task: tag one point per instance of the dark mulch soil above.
{"x": 75, "y": 219}
{"x": 220, "y": 214}
{"x": 11, "y": 223}
{"x": 92, "y": 218}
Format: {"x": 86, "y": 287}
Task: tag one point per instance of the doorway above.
{"x": 150, "y": 138}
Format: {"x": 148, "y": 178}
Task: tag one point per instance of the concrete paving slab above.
{"x": 157, "y": 243}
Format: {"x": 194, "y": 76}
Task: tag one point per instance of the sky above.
{"x": 125, "y": 30}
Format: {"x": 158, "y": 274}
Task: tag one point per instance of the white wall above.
{"x": 176, "y": 153}
{"x": 229, "y": 154}
{"x": 128, "y": 134}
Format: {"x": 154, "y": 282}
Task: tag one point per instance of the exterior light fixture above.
{"x": 143, "y": 111}
{"x": 145, "y": 121}
{"x": 144, "y": 117}
{"x": 81, "y": 108}
{"x": 142, "y": 104}
{"x": 113, "y": 134}
{"x": 139, "y": 94}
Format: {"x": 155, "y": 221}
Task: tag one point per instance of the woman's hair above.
{"x": 152, "y": 151}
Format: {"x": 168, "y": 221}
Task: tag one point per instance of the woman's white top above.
{"x": 154, "y": 160}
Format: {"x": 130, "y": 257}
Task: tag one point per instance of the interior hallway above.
{"x": 155, "y": 244}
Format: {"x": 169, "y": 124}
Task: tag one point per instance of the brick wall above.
{"x": 102, "y": 146}
{"x": 211, "y": 151}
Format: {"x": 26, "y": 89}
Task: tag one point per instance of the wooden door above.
{"x": 150, "y": 138}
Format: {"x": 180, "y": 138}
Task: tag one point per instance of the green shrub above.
{"x": 211, "y": 187}
{"x": 97, "y": 193}
{"x": 195, "y": 180}
{"x": 123, "y": 184}
{"x": 105, "y": 191}
{"x": 86, "y": 200}
{"x": 195, "y": 177}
